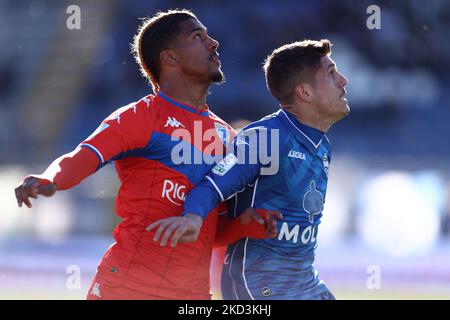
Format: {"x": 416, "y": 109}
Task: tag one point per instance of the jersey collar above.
{"x": 310, "y": 137}
{"x": 182, "y": 105}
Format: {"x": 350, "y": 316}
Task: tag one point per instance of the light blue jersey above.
{"x": 277, "y": 164}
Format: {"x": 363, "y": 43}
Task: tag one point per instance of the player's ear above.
{"x": 168, "y": 57}
{"x": 304, "y": 92}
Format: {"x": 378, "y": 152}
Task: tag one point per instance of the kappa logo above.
{"x": 95, "y": 291}
{"x": 147, "y": 101}
{"x": 174, "y": 123}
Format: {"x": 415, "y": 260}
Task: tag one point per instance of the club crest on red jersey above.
{"x": 223, "y": 133}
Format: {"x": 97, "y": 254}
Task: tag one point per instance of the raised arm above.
{"x": 125, "y": 130}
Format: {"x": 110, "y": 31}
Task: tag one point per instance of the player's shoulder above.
{"x": 216, "y": 118}
{"x": 134, "y": 111}
{"x": 220, "y": 123}
{"x": 267, "y": 123}
{"x": 145, "y": 105}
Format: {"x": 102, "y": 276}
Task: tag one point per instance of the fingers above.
{"x": 161, "y": 224}
{"x": 264, "y": 214}
{"x": 177, "y": 229}
{"x": 271, "y": 218}
{"x": 169, "y": 230}
{"x": 187, "y": 232}
{"x": 258, "y": 217}
{"x": 153, "y": 225}
{"x": 271, "y": 228}
{"x": 188, "y": 237}
{"x": 18, "y": 197}
{"x": 23, "y": 193}
{"x": 249, "y": 214}
{"x": 30, "y": 188}
{"x": 182, "y": 232}
{"x": 165, "y": 228}
{"x": 276, "y": 214}
{"x": 25, "y": 198}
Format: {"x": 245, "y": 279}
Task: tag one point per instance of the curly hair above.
{"x": 154, "y": 35}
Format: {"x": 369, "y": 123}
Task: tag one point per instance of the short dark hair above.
{"x": 287, "y": 65}
{"x": 154, "y": 35}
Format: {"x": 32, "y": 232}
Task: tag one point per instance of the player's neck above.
{"x": 309, "y": 119}
{"x": 189, "y": 93}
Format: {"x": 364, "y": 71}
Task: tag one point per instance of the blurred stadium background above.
{"x": 387, "y": 212}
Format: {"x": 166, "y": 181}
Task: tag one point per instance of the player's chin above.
{"x": 217, "y": 76}
{"x": 344, "y": 108}
{"x": 341, "y": 109}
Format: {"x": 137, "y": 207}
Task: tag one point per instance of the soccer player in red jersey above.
{"x": 161, "y": 146}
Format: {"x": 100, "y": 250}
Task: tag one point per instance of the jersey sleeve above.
{"x": 70, "y": 169}
{"x": 124, "y": 131}
{"x": 250, "y": 153}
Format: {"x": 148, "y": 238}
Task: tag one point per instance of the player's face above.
{"x": 197, "y": 52}
{"x": 330, "y": 93}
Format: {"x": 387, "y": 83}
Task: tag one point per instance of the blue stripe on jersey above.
{"x": 97, "y": 153}
{"x": 180, "y": 105}
{"x": 101, "y": 162}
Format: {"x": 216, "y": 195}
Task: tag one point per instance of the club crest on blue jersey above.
{"x": 223, "y": 133}
{"x": 326, "y": 163}
{"x": 313, "y": 201}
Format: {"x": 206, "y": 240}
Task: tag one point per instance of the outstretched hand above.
{"x": 177, "y": 229}
{"x": 31, "y": 187}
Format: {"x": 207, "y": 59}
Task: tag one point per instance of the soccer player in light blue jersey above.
{"x": 280, "y": 162}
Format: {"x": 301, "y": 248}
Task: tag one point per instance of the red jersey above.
{"x": 161, "y": 149}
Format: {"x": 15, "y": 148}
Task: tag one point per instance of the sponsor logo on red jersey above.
{"x": 174, "y": 192}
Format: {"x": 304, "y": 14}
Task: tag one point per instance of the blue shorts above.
{"x": 234, "y": 290}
